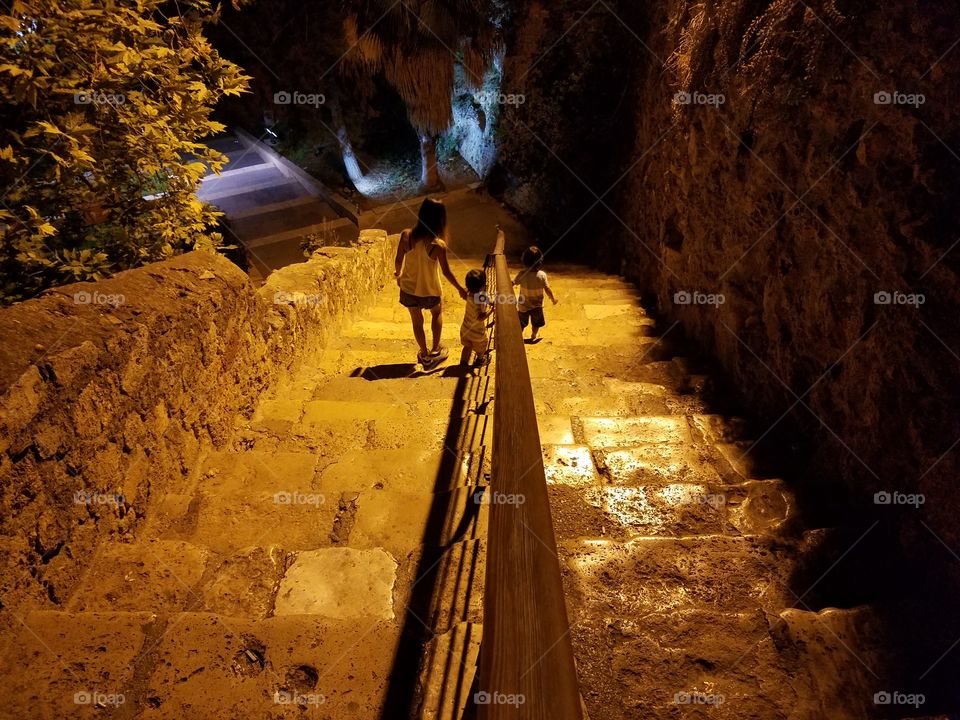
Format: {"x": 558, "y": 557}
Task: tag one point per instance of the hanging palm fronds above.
{"x": 416, "y": 44}
{"x": 425, "y": 82}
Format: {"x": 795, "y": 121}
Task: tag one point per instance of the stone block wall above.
{"x": 112, "y": 389}
{"x": 798, "y": 160}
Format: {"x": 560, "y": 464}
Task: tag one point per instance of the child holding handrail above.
{"x": 473, "y": 331}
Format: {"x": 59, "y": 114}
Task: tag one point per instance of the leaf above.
{"x": 15, "y": 71}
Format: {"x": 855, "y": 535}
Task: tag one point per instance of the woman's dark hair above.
{"x": 476, "y": 281}
{"x": 431, "y": 221}
{"x": 532, "y": 257}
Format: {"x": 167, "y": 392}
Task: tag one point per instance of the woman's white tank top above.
{"x": 420, "y": 274}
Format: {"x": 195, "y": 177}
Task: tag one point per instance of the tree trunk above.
{"x": 350, "y": 163}
{"x": 429, "y": 175}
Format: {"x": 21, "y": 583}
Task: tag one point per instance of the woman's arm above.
{"x": 401, "y": 251}
{"x": 447, "y": 272}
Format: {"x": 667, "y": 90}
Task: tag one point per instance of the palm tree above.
{"x": 415, "y": 44}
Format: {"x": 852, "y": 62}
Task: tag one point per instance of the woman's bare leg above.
{"x": 436, "y": 326}
{"x": 416, "y": 319}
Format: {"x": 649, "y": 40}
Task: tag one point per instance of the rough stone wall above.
{"x": 112, "y": 390}
{"x": 799, "y": 198}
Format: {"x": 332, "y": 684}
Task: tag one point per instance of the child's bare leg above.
{"x": 436, "y": 326}
{"x": 533, "y": 335}
{"x": 465, "y": 355}
{"x": 416, "y": 319}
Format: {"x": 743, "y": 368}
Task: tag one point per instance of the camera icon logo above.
{"x": 282, "y": 98}
{"x": 682, "y": 298}
{"x": 481, "y": 698}
{"x": 882, "y": 498}
{"x": 283, "y": 498}
{"x": 682, "y": 98}
{"x": 82, "y": 298}
{"x": 82, "y": 98}
{"x": 882, "y": 698}
{"x": 882, "y": 98}
{"x": 83, "y": 697}
{"x": 882, "y": 298}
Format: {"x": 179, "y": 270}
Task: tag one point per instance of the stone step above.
{"x": 213, "y": 187}
{"x": 603, "y": 397}
{"x": 275, "y": 205}
{"x": 201, "y": 665}
{"x": 269, "y": 226}
{"x": 758, "y": 508}
{"x": 449, "y": 668}
{"x": 615, "y": 329}
{"x": 409, "y": 470}
{"x": 400, "y": 521}
{"x": 338, "y": 435}
{"x": 268, "y": 182}
{"x": 626, "y": 360}
{"x": 703, "y": 572}
{"x": 260, "y": 196}
{"x": 655, "y": 463}
{"x": 606, "y": 432}
{"x": 388, "y": 383}
{"x": 695, "y": 663}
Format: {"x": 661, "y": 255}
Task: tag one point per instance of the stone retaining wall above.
{"x": 112, "y": 389}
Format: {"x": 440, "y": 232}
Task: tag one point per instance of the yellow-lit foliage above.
{"x": 104, "y": 106}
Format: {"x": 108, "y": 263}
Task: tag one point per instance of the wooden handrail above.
{"x": 527, "y": 669}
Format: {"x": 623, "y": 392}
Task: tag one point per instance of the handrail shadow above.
{"x": 464, "y": 440}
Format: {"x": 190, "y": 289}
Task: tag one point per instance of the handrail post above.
{"x": 527, "y": 670}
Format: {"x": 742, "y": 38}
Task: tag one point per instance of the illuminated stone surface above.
{"x": 678, "y": 560}
{"x": 338, "y": 584}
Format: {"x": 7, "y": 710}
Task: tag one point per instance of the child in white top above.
{"x": 473, "y": 331}
{"x": 534, "y": 284}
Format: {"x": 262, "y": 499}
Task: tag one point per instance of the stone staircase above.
{"x": 678, "y": 555}
{"x": 329, "y": 560}
{"x": 270, "y": 204}
{"x": 305, "y": 568}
